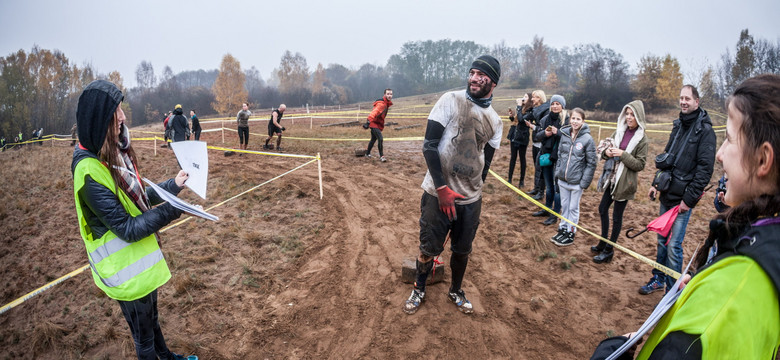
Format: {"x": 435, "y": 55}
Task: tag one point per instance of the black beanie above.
{"x": 488, "y": 65}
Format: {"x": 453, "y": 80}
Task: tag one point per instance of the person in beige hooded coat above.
{"x": 625, "y": 157}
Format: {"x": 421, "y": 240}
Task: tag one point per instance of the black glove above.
{"x": 365, "y": 125}
{"x": 283, "y": 128}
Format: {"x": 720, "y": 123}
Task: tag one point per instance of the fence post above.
{"x": 319, "y": 170}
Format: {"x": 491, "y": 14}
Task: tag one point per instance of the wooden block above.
{"x": 409, "y": 272}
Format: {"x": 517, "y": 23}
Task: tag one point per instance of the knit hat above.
{"x": 178, "y": 106}
{"x": 488, "y": 65}
{"x": 559, "y": 99}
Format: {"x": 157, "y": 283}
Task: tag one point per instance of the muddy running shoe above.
{"x": 463, "y": 304}
{"x": 369, "y": 156}
{"x": 382, "y": 159}
{"x": 414, "y": 301}
{"x": 654, "y": 285}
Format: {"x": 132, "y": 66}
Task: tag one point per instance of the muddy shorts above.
{"x": 434, "y": 226}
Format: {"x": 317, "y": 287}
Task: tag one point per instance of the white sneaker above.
{"x": 413, "y": 303}
{"x": 463, "y": 304}
{"x": 382, "y": 159}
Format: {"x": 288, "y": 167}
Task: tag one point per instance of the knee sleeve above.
{"x": 424, "y": 267}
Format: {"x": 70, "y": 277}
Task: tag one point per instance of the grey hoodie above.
{"x": 576, "y": 157}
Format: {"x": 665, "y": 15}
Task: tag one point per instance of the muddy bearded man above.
{"x": 462, "y": 135}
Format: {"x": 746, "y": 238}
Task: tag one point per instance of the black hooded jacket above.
{"x": 693, "y": 170}
{"x": 179, "y": 125}
{"x": 103, "y": 211}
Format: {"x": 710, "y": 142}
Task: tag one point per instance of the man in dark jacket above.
{"x": 693, "y": 143}
{"x": 377, "y": 123}
{"x": 179, "y": 125}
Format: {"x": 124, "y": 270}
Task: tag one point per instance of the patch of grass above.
{"x": 547, "y": 255}
{"x": 251, "y": 281}
{"x": 611, "y": 333}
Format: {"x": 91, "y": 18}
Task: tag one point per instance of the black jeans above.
{"x": 376, "y": 135}
{"x": 617, "y": 216}
{"x": 517, "y": 151}
{"x": 197, "y": 135}
{"x": 141, "y": 316}
{"x": 243, "y": 135}
{"x": 538, "y": 175}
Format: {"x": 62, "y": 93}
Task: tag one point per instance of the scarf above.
{"x": 483, "y": 103}
{"x": 130, "y": 180}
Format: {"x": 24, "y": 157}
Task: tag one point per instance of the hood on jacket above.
{"x": 639, "y": 112}
{"x": 96, "y": 107}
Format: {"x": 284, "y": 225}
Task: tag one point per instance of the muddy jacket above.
{"x": 242, "y": 118}
{"x": 377, "y": 117}
{"x": 693, "y": 169}
{"x": 576, "y": 157}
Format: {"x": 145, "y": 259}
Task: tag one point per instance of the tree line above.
{"x": 40, "y": 88}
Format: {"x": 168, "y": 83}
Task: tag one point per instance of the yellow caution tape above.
{"x": 630, "y": 252}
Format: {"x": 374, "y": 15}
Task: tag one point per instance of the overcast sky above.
{"x": 191, "y": 35}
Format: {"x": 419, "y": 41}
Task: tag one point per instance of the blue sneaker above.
{"x": 413, "y": 303}
{"x": 463, "y": 304}
{"x": 654, "y": 285}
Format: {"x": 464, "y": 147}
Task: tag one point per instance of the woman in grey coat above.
{"x": 574, "y": 170}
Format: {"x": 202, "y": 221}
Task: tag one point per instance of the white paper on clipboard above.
{"x": 180, "y": 204}
{"x": 194, "y": 159}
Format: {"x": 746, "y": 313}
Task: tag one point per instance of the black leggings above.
{"x": 243, "y": 135}
{"x": 376, "y": 134}
{"x": 141, "y": 316}
{"x": 617, "y": 215}
{"x": 517, "y": 151}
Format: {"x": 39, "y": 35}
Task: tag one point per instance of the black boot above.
{"x": 604, "y": 256}
{"x": 598, "y": 248}
{"x": 550, "y": 220}
{"x": 540, "y": 213}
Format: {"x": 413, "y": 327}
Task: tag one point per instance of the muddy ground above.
{"x": 284, "y": 274}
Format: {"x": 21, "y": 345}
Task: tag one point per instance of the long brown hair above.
{"x": 529, "y": 104}
{"x": 758, "y": 100}
{"x": 109, "y": 153}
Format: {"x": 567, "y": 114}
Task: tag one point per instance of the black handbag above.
{"x": 511, "y": 135}
{"x": 662, "y": 180}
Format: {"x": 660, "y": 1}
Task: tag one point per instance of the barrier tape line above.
{"x": 630, "y": 252}
{"x": 262, "y": 152}
{"x": 73, "y": 273}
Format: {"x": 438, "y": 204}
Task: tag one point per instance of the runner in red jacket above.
{"x": 377, "y": 122}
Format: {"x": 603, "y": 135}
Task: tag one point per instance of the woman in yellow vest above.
{"x": 730, "y": 308}
{"x": 116, "y": 218}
